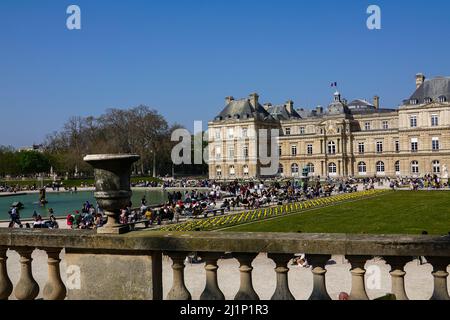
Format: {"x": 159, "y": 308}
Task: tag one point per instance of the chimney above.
{"x": 267, "y": 106}
{"x": 376, "y": 102}
{"x": 319, "y": 109}
{"x": 290, "y": 106}
{"x": 420, "y": 79}
{"x": 228, "y": 100}
{"x": 254, "y": 99}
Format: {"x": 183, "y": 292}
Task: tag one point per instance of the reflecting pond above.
{"x": 65, "y": 202}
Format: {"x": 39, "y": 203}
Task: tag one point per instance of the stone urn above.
{"x": 112, "y": 186}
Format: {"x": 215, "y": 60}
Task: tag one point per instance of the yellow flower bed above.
{"x": 262, "y": 214}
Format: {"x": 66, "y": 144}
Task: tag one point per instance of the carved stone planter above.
{"x": 112, "y": 186}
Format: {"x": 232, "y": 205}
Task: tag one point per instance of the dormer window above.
{"x": 414, "y": 101}
{"x": 428, "y": 100}
{"x": 442, "y": 99}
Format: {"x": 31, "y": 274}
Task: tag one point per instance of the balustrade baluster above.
{"x": 6, "y": 286}
{"x": 398, "y": 275}
{"x": 318, "y": 263}
{"x": 27, "y": 288}
{"x": 178, "y": 290}
{"x": 54, "y": 288}
{"x": 212, "y": 290}
{"x": 358, "y": 291}
{"x": 282, "y": 291}
{"x": 246, "y": 290}
{"x": 440, "y": 275}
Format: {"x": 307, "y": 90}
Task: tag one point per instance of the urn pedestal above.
{"x": 112, "y": 187}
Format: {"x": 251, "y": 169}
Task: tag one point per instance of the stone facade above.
{"x": 356, "y": 139}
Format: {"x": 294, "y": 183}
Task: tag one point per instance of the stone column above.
{"x": 212, "y": 290}
{"x": 6, "y": 286}
{"x": 398, "y": 275}
{"x": 282, "y": 291}
{"x": 27, "y": 288}
{"x": 246, "y": 291}
{"x": 440, "y": 275}
{"x": 318, "y": 263}
{"x": 358, "y": 291}
{"x": 179, "y": 290}
{"x": 54, "y": 288}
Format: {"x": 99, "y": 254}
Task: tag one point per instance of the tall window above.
{"x": 436, "y": 166}
{"x": 332, "y": 169}
{"x": 397, "y": 146}
{"x": 385, "y": 125}
{"x": 413, "y": 121}
{"x": 331, "y": 147}
{"x": 294, "y": 169}
{"x": 230, "y": 152}
{"x": 362, "y": 168}
{"x": 397, "y": 167}
{"x": 442, "y": 99}
{"x": 310, "y": 168}
{"x": 280, "y": 151}
{"x": 367, "y": 126}
{"x": 244, "y": 132}
{"x": 309, "y": 149}
{"x": 245, "y": 170}
{"x": 294, "y": 150}
{"x": 434, "y": 120}
{"x": 361, "y": 148}
{"x": 217, "y": 134}
{"x": 232, "y": 171}
{"x": 414, "y": 144}
{"x": 380, "y": 167}
{"x": 435, "y": 144}
{"x": 415, "y": 167}
{"x": 288, "y": 131}
{"x": 302, "y": 130}
{"x": 219, "y": 171}
{"x": 230, "y": 133}
{"x": 379, "y": 146}
{"x": 218, "y": 152}
{"x": 280, "y": 169}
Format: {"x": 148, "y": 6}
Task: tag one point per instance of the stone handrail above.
{"x": 98, "y": 255}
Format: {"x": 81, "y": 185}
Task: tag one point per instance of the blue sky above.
{"x": 183, "y": 57}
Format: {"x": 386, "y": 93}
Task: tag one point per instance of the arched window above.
{"x": 436, "y": 166}
{"x": 380, "y": 167}
{"x": 362, "y": 168}
{"x": 219, "y": 171}
{"x": 414, "y": 167}
{"x": 310, "y": 168}
{"x": 232, "y": 171}
{"x": 442, "y": 99}
{"x": 332, "y": 169}
{"x": 294, "y": 168}
{"x": 245, "y": 170}
{"x": 428, "y": 100}
{"x": 280, "y": 169}
{"x": 331, "y": 147}
{"x": 397, "y": 167}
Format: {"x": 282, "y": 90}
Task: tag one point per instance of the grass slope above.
{"x": 401, "y": 212}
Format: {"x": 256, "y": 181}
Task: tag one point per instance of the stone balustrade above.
{"x": 113, "y": 266}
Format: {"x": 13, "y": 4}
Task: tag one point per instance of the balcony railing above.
{"x": 130, "y": 266}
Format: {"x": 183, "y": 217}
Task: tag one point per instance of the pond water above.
{"x": 64, "y": 202}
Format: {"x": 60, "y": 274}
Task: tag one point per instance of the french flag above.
{"x": 334, "y": 84}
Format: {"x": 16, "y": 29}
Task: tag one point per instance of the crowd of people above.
{"x": 203, "y": 197}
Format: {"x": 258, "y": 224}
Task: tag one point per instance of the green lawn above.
{"x": 401, "y": 212}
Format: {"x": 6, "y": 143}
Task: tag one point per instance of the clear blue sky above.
{"x": 183, "y": 57}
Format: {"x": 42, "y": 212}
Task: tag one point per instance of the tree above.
{"x": 31, "y": 162}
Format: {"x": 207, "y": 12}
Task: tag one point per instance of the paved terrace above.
{"x": 138, "y": 264}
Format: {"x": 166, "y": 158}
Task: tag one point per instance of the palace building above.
{"x": 346, "y": 139}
